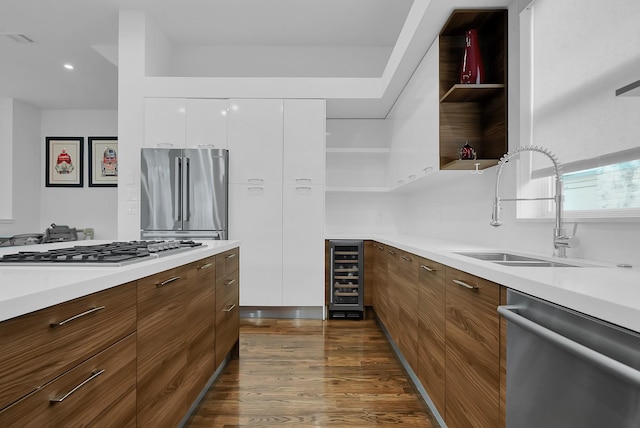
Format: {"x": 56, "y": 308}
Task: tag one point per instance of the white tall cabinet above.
{"x": 255, "y": 132}
{"x": 276, "y": 200}
{"x": 303, "y": 203}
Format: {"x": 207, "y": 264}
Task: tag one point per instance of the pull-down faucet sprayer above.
{"x": 560, "y": 241}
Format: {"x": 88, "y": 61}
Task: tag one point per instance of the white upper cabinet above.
{"x": 206, "y": 124}
{"x": 254, "y": 138}
{"x": 165, "y": 122}
{"x": 415, "y": 125}
{"x": 185, "y": 123}
{"x": 304, "y": 141}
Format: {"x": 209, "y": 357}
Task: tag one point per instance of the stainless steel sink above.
{"x": 508, "y": 259}
{"x": 499, "y": 257}
{"x": 541, "y": 263}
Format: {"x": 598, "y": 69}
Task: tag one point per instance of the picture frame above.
{"x": 64, "y": 161}
{"x": 103, "y": 161}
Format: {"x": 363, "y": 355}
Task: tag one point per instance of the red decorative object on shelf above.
{"x": 467, "y": 152}
{"x": 472, "y": 67}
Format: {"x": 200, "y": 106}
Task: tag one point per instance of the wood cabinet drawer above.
{"x": 226, "y": 289}
{"x": 472, "y": 351}
{"x": 431, "y": 330}
{"x": 227, "y": 262}
{"x": 199, "y": 331}
{"x": 227, "y": 327}
{"x": 99, "y": 392}
{"x": 162, "y": 356}
{"x": 40, "y": 346}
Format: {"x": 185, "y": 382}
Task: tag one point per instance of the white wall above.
{"x": 23, "y": 149}
{"x": 277, "y": 61}
{"x": 6, "y": 147}
{"x": 353, "y": 213}
{"x": 94, "y": 207}
{"x": 458, "y": 206}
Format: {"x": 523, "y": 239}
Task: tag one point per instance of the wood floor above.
{"x": 312, "y": 373}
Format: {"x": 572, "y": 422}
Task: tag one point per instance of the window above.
{"x": 569, "y": 105}
{"x": 614, "y": 186}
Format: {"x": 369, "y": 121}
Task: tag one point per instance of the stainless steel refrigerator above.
{"x": 184, "y": 193}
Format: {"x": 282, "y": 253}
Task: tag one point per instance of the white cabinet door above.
{"x": 164, "y": 122}
{"x": 303, "y": 245}
{"x": 255, "y": 218}
{"x": 207, "y": 123}
{"x": 416, "y": 125}
{"x": 254, "y": 137}
{"x": 304, "y": 141}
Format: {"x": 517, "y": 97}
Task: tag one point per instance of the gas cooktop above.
{"x": 110, "y": 254}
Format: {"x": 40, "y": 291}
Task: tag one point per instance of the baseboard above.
{"x": 286, "y": 312}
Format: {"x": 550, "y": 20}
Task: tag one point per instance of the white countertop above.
{"x": 601, "y": 290}
{"x": 25, "y": 289}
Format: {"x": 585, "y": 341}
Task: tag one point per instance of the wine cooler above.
{"x": 347, "y": 279}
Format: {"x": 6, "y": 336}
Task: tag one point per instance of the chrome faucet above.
{"x": 560, "y": 240}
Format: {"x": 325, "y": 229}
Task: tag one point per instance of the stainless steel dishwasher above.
{"x": 566, "y": 369}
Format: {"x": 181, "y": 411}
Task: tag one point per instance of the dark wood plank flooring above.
{"x": 312, "y": 373}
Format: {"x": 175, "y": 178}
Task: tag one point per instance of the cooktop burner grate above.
{"x": 112, "y": 253}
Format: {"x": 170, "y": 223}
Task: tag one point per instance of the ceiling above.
{"x": 85, "y": 34}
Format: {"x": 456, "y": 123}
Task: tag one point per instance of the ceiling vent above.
{"x": 19, "y": 38}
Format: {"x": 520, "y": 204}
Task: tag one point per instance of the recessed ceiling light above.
{"x": 68, "y": 66}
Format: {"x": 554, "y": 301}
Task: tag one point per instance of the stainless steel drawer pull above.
{"x": 206, "y": 266}
{"x": 75, "y": 317}
{"x": 94, "y": 375}
{"x": 406, "y": 259}
{"x": 230, "y": 281}
{"x": 230, "y": 256}
{"x": 168, "y": 281}
{"x": 427, "y": 268}
{"x": 465, "y": 285}
{"x": 230, "y": 308}
{"x": 393, "y": 253}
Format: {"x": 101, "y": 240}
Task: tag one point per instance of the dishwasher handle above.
{"x": 608, "y": 364}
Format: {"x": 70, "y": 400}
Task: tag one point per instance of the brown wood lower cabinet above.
{"x": 472, "y": 351}
{"x": 404, "y": 276}
{"x": 37, "y": 347}
{"x": 446, "y": 325}
{"x": 227, "y": 306}
{"x": 101, "y": 392}
{"x": 162, "y": 355}
{"x": 158, "y": 339}
{"x": 200, "y": 331}
{"x": 431, "y": 331}
{"x": 380, "y": 286}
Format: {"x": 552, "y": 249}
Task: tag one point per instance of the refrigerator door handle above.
{"x": 187, "y": 190}
{"x": 177, "y": 187}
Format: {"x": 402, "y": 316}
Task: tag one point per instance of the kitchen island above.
{"x": 133, "y": 345}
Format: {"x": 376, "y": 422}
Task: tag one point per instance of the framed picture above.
{"x": 64, "y": 160}
{"x": 103, "y": 161}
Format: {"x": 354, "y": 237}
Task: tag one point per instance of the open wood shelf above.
{"x": 473, "y": 113}
{"x": 470, "y": 164}
{"x": 460, "y": 93}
